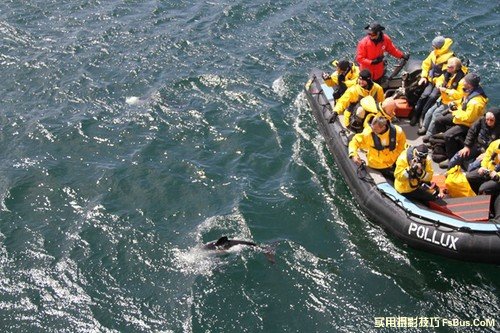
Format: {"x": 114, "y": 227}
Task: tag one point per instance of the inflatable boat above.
{"x": 457, "y": 228}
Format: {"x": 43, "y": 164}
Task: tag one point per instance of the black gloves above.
{"x": 406, "y": 56}
{"x": 333, "y": 117}
{"x": 377, "y": 60}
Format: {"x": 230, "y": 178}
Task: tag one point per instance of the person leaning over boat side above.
{"x": 413, "y": 174}
{"x": 450, "y": 85}
{"x": 432, "y": 67}
{"x": 349, "y": 100}
{"x": 383, "y": 142}
{"x": 486, "y": 179}
{"x": 344, "y": 77}
{"x": 455, "y": 125}
{"x": 371, "y": 48}
{"x": 484, "y": 131}
{"x": 368, "y": 108}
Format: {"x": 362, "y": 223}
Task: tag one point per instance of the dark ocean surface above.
{"x": 134, "y": 131}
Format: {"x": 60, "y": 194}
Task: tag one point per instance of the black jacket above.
{"x": 480, "y": 134}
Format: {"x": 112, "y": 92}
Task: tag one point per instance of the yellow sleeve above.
{"x": 426, "y": 66}
{"x": 473, "y": 111}
{"x": 345, "y": 100}
{"x": 427, "y": 176}
{"x": 380, "y": 94}
{"x": 352, "y": 77}
{"x": 356, "y": 143}
{"x": 487, "y": 161}
{"x": 401, "y": 140}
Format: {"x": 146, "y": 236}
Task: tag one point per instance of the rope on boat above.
{"x": 364, "y": 175}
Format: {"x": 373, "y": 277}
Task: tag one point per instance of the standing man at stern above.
{"x": 372, "y": 48}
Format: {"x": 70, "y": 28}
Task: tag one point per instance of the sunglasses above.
{"x": 420, "y": 154}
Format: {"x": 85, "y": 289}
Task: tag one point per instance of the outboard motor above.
{"x": 411, "y": 76}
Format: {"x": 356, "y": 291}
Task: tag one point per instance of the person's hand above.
{"x": 422, "y": 81}
{"x": 452, "y": 106}
{"x": 464, "y": 152}
{"x": 442, "y": 89}
{"x": 358, "y": 161}
{"x": 482, "y": 171}
{"x": 377, "y": 60}
{"x": 333, "y": 117}
{"x": 325, "y": 76}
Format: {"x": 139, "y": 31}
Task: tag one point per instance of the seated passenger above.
{"x": 368, "y": 108}
{"x": 413, "y": 175}
{"x": 454, "y": 125}
{"x": 383, "y": 142}
{"x": 486, "y": 179}
{"x": 432, "y": 67}
{"x": 344, "y": 77}
{"x": 485, "y": 130}
{"x": 349, "y": 100}
{"x": 450, "y": 85}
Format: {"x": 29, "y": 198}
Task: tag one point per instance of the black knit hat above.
{"x": 365, "y": 74}
{"x": 343, "y": 65}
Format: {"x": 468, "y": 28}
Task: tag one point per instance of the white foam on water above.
{"x": 133, "y": 100}
{"x": 279, "y": 87}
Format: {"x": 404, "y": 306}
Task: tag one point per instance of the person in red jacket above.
{"x": 372, "y": 48}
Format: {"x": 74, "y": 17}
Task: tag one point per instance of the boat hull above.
{"x": 457, "y": 243}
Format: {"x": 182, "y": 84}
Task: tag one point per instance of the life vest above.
{"x": 477, "y": 92}
{"x": 455, "y": 79}
{"x": 437, "y": 66}
{"x": 392, "y": 139}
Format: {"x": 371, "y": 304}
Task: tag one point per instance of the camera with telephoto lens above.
{"x": 432, "y": 189}
{"x": 414, "y": 166}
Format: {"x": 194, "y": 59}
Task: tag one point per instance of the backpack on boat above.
{"x": 457, "y": 184}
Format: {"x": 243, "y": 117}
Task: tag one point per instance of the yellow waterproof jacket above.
{"x": 474, "y": 109}
{"x": 492, "y": 156}
{"x": 355, "y": 93}
{"x": 378, "y": 159}
{"x": 402, "y": 181}
{"x": 451, "y": 94}
{"x": 436, "y": 61}
{"x": 350, "y": 79}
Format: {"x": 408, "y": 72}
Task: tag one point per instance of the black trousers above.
{"x": 482, "y": 185}
{"x": 420, "y": 195}
{"x": 453, "y": 134}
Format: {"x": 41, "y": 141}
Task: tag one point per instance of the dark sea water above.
{"x": 134, "y": 131}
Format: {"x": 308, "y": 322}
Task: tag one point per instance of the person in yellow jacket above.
{"x": 383, "y": 142}
{"x": 344, "y": 77}
{"x": 413, "y": 174}
{"x": 432, "y": 67}
{"x": 349, "y": 100}
{"x": 450, "y": 85}
{"x": 369, "y": 108}
{"x": 455, "y": 125}
{"x": 486, "y": 179}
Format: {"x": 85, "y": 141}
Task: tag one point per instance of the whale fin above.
{"x": 222, "y": 241}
